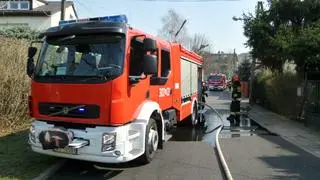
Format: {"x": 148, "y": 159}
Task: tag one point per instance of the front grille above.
{"x": 69, "y": 110}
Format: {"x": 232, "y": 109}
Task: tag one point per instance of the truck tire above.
{"x": 151, "y": 142}
{"x": 194, "y": 116}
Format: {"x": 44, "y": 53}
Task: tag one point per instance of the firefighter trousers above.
{"x": 235, "y": 111}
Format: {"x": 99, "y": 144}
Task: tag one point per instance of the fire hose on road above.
{"x": 220, "y": 154}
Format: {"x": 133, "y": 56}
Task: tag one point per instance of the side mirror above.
{"x": 30, "y": 67}
{"x": 149, "y": 44}
{"x": 30, "y": 63}
{"x": 32, "y": 52}
{"x": 150, "y": 64}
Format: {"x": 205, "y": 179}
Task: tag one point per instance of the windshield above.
{"x": 82, "y": 56}
{"x": 215, "y": 78}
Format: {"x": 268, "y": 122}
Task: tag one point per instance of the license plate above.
{"x": 66, "y": 150}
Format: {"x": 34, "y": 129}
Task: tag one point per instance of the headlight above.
{"x": 108, "y": 142}
{"x": 32, "y": 134}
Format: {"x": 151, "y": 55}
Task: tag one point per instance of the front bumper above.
{"x": 129, "y": 144}
{"x": 214, "y": 87}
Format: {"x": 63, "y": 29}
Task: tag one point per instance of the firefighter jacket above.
{"x": 236, "y": 91}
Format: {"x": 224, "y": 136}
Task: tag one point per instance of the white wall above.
{"x": 70, "y": 12}
{"x": 39, "y": 23}
{"x": 56, "y": 17}
{"x": 37, "y": 3}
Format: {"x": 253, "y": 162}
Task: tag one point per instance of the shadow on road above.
{"x": 88, "y": 170}
{"x": 299, "y": 164}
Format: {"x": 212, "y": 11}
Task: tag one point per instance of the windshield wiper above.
{"x": 66, "y": 38}
{"x": 100, "y": 76}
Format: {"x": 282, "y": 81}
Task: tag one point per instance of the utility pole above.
{"x": 234, "y": 60}
{"x": 252, "y": 71}
{"x": 63, "y": 4}
{"x": 254, "y": 60}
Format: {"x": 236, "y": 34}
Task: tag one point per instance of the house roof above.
{"x": 43, "y": 1}
{"x": 48, "y": 9}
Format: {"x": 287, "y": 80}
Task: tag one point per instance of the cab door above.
{"x": 165, "y": 84}
{"x": 140, "y": 88}
{"x": 138, "y": 84}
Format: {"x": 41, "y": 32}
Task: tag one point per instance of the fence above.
{"x": 313, "y": 105}
{"x": 245, "y": 88}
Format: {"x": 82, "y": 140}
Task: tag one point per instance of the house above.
{"x": 220, "y": 62}
{"x": 37, "y": 14}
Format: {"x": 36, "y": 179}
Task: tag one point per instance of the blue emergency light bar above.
{"x": 115, "y": 19}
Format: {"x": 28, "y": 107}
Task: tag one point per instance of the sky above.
{"x": 213, "y": 18}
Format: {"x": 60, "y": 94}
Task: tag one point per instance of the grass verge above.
{"x": 17, "y": 160}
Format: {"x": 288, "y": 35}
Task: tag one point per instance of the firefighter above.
{"x": 204, "y": 92}
{"x": 235, "y": 101}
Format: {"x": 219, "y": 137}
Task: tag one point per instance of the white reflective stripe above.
{"x": 176, "y": 85}
{"x": 187, "y": 59}
{"x": 185, "y": 103}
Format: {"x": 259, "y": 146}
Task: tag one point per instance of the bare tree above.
{"x": 199, "y": 42}
{"x": 172, "y": 22}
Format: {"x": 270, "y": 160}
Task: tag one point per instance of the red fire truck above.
{"x": 217, "y": 81}
{"x": 104, "y": 91}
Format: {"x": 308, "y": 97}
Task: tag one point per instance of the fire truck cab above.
{"x": 217, "y": 81}
{"x": 103, "y": 91}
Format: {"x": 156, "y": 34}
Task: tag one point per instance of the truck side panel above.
{"x": 194, "y": 78}
{"x": 189, "y": 85}
{"x": 176, "y": 66}
{"x": 185, "y": 79}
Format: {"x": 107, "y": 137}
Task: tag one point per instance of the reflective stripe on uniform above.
{"x": 235, "y": 113}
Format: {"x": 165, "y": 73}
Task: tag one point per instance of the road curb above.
{"x": 51, "y": 170}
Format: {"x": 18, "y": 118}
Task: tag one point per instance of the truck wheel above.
{"x": 194, "y": 116}
{"x": 201, "y": 120}
{"x": 151, "y": 142}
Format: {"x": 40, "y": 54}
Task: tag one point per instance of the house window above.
{"x": 13, "y": 5}
{"x": 24, "y": 5}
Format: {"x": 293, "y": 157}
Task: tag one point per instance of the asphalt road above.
{"x": 262, "y": 155}
{"x": 251, "y": 153}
